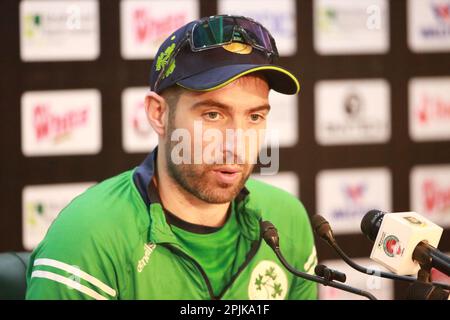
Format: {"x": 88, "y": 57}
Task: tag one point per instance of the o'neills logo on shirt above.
{"x": 49, "y": 125}
{"x": 148, "y": 249}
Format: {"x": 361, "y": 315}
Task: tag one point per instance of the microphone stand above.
{"x": 270, "y": 236}
{"x": 322, "y": 280}
{"x": 423, "y": 288}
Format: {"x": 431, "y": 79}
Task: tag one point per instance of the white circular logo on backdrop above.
{"x": 267, "y": 282}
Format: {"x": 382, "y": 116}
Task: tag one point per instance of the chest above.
{"x": 163, "y": 272}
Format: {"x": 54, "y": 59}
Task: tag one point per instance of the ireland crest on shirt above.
{"x": 267, "y": 282}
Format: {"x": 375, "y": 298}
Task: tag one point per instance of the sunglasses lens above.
{"x": 220, "y": 30}
{"x": 256, "y": 33}
{"x": 214, "y": 31}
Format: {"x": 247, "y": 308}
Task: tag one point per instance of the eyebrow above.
{"x": 220, "y": 105}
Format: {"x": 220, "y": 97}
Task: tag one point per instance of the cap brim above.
{"x": 280, "y": 79}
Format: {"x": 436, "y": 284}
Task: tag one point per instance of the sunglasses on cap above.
{"x": 217, "y": 31}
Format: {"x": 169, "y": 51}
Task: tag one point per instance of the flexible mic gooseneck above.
{"x": 270, "y": 236}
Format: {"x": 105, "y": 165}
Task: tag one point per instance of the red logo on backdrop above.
{"x": 442, "y": 12}
{"x": 48, "y": 125}
{"x": 355, "y": 192}
{"x": 433, "y": 108}
{"x": 149, "y": 29}
{"x": 436, "y": 197}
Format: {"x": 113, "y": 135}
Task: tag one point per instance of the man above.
{"x": 186, "y": 224}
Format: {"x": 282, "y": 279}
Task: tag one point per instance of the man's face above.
{"x": 224, "y": 126}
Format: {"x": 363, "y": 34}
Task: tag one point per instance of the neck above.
{"x": 183, "y": 204}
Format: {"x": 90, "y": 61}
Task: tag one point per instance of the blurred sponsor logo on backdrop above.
{"x": 352, "y": 112}
{"x": 63, "y": 122}
{"x": 279, "y": 17}
{"x": 348, "y": 26}
{"x": 283, "y": 119}
{"x": 137, "y": 134}
{"x": 41, "y": 204}
{"x": 430, "y": 193}
{"x": 144, "y": 25}
{"x": 382, "y": 289}
{"x": 286, "y": 180}
{"x": 345, "y": 196}
{"x": 429, "y": 25}
{"x": 59, "y": 30}
{"x": 429, "y": 108}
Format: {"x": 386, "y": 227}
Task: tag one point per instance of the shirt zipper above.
{"x": 253, "y": 250}
{"x": 197, "y": 265}
{"x": 251, "y": 254}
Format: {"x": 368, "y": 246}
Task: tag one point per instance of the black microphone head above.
{"x": 321, "y": 227}
{"x": 371, "y": 222}
{"x": 320, "y": 270}
{"x": 270, "y": 234}
{"x": 329, "y": 274}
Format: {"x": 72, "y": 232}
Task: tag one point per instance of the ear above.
{"x": 156, "y": 109}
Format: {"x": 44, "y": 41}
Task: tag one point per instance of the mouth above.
{"x": 228, "y": 169}
{"x": 227, "y": 175}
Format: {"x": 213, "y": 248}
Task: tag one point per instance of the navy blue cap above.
{"x": 214, "y": 68}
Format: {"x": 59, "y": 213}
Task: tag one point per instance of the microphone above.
{"x": 404, "y": 242}
{"x": 323, "y": 230}
{"x": 329, "y": 274}
{"x": 270, "y": 236}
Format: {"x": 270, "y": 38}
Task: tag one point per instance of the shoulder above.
{"x": 107, "y": 212}
{"x": 283, "y": 210}
{"x": 91, "y": 240}
{"x": 291, "y": 219}
{"x": 275, "y": 203}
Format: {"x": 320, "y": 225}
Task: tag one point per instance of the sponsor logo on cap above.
{"x": 237, "y": 47}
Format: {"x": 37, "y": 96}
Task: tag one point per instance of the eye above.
{"x": 212, "y": 115}
{"x": 256, "y": 117}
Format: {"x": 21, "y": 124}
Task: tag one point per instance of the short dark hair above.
{"x": 172, "y": 96}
